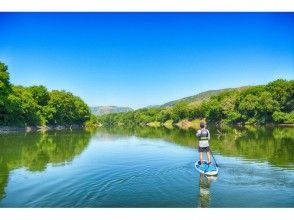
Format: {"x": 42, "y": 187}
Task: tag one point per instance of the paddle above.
{"x": 213, "y": 158}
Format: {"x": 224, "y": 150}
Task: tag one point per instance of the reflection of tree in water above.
{"x": 177, "y": 136}
{"x": 35, "y": 151}
{"x": 4, "y": 172}
{"x": 274, "y": 145}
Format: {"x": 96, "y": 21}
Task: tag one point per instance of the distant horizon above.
{"x": 140, "y": 59}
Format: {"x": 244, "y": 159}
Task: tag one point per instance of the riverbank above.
{"x": 183, "y": 124}
{"x": 186, "y": 124}
{"x": 194, "y": 124}
{"x": 12, "y": 129}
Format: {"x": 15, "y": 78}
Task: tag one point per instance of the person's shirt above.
{"x": 203, "y": 135}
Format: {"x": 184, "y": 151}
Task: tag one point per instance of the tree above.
{"x": 164, "y": 115}
{"x": 5, "y": 86}
{"x": 5, "y": 90}
{"x": 214, "y": 110}
{"x": 257, "y": 107}
{"x": 64, "y": 109}
{"x": 40, "y": 94}
{"x": 180, "y": 111}
{"x": 282, "y": 117}
{"x": 21, "y": 108}
{"x": 281, "y": 91}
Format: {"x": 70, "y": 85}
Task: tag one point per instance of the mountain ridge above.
{"x": 200, "y": 96}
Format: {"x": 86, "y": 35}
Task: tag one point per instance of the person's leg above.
{"x": 201, "y": 157}
{"x": 208, "y": 156}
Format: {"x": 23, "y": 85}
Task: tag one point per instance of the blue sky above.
{"x": 141, "y": 59}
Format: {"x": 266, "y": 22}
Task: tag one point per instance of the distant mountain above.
{"x": 103, "y": 110}
{"x": 192, "y": 100}
{"x": 200, "y": 96}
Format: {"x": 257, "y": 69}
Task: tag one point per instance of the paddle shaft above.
{"x": 213, "y": 158}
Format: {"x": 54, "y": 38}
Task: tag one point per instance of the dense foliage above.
{"x": 35, "y": 105}
{"x": 271, "y": 103}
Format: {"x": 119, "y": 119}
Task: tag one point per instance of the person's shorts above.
{"x": 203, "y": 149}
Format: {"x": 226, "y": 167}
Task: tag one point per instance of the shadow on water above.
{"x": 34, "y": 151}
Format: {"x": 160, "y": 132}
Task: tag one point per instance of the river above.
{"x": 146, "y": 167}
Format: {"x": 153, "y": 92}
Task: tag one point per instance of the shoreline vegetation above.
{"x": 43, "y": 128}
{"x": 183, "y": 125}
{"x": 262, "y": 105}
{"x": 34, "y": 108}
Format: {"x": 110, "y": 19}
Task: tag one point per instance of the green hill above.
{"x": 200, "y": 96}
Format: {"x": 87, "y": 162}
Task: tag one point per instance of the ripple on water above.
{"x": 254, "y": 175}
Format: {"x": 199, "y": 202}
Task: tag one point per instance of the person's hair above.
{"x": 202, "y": 124}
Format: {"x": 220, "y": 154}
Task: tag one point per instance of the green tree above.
{"x": 21, "y": 108}
{"x": 258, "y": 107}
{"x": 164, "y": 115}
{"x": 282, "y": 117}
{"x": 5, "y": 86}
{"x": 282, "y": 92}
{"x": 179, "y": 111}
{"x": 40, "y": 94}
{"x": 5, "y": 90}
{"x": 213, "y": 110}
{"x": 64, "y": 109}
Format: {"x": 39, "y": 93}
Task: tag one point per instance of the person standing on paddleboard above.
{"x": 204, "y": 136}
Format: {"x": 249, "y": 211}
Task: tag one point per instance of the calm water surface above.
{"x": 146, "y": 167}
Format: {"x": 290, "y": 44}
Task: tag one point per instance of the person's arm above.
{"x": 208, "y": 134}
{"x": 198, "y": 133}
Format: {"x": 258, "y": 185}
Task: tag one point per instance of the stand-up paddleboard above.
{"x": 209, "y": 170}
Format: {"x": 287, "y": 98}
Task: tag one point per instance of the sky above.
{"x": 142, "y": 59}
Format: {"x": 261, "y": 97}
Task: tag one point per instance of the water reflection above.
{"x": 34, "y": 151}
{"x": 204, "y": 190}
{"x": 273, "y": 145}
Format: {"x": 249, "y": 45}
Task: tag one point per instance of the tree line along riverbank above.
{"x": 270, "y": 104}
{"x": 36, "y": 108}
